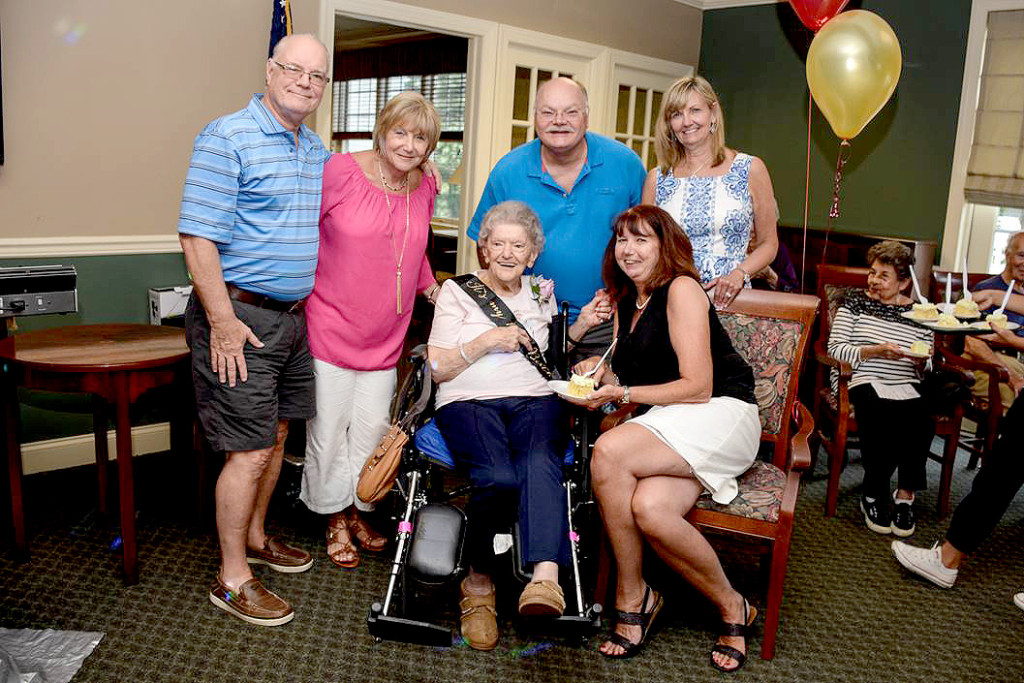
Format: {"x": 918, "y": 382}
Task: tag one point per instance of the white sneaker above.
{"x": 1018, "y": 600}
{"x": 925, "y": 562}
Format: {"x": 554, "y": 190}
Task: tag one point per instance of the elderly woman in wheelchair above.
{"x": 498, "y": 416}
{"x": 696, "y": 428}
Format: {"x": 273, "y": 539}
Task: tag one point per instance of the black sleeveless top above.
{"x": 645, "y": 355}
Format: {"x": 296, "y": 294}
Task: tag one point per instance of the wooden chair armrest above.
{"x": 800, "y": 451}
{"x": 996, "y": 372}
{"x": 616, "y": 418}
{"x": 845, "y": 369}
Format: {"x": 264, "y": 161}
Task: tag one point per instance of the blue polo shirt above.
{"x": 577, "y": 224}
{"x": 996, "y": 282}
{"x": 256, "y": 194}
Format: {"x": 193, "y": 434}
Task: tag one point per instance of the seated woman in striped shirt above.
{"x": 893, "y": 420}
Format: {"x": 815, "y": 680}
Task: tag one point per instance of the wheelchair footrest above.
{"x": 383, "y": 627}
{"x": 435, "y": 551}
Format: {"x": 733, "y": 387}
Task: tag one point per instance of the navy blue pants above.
{"x": 513, "y": 449}
{"x": 994, "y": 488}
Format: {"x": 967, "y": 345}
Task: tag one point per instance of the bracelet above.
{"x": 462, "y": 352}
{"x": 746, "y": 275}
{"x": 625, "y": 396}
{"x": 572, "y": 341}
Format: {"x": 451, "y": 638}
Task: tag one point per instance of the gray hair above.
{"x": 281, "y": 44}
{"x": 892, "y": 253}
{"x": 1014, "y": 238}
{"x": 510, "y": 212}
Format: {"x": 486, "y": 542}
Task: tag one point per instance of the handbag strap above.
{"x": 499, "y": 313}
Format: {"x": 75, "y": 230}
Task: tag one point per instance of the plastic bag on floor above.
{"x": 44, "y": 656}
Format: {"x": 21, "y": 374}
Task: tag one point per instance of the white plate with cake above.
{"x": 573, "y": 390}
{"x": 918, "y": 349}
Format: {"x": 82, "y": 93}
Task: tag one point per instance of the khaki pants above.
{"x": 980, "y": 387}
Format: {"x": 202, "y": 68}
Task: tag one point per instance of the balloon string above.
{"x": 807, "y": 189}
{"x": 833, "y": 213}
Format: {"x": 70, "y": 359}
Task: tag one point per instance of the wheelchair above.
{"x": 431, "y": 529}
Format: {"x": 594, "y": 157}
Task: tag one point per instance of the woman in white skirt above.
{"x": 696, "y": 428}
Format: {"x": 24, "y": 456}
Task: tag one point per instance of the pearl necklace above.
{"x": 399, "y": 257}
{"x": 642, "y": 306}
{"x": 386, "y": 184}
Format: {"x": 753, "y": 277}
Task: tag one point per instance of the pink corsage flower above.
{"x": 543, "y": 289}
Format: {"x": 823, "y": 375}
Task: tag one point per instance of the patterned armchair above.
{"x": 771, "y": 330}
{"x": 833, "y": 413}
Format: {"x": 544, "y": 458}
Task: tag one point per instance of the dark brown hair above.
{"x": 892, "y": 253}
{"x": 675, "y": 255}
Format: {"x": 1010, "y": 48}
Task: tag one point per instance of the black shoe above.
{"x": 902, "y": 519}
{"x": 876, "y": 514}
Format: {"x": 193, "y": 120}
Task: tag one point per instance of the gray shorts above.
{"x": 279, "y": 386}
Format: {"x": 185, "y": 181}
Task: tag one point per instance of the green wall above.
{"x": 897, "y": 180}
{"x": 111, "y": 289}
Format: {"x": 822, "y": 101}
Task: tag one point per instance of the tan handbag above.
{"x": 381, "y": 468}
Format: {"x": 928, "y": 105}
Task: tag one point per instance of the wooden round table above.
{"x": 116, "y": 363}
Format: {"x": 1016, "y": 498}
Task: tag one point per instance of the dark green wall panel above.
{"x": 897, "y": 180}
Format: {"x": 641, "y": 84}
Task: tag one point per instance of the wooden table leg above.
{"x": 126, "y": 480}
{"x": 9, "y": 398}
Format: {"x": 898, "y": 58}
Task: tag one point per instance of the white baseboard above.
{"x": 72, "y": 451}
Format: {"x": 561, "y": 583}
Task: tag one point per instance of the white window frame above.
{"x": 958, "y": 217}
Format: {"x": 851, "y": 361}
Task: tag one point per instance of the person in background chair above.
{"x": 500, "y": 419}
{"x": 894, "y": 421}
{"x": 989, "y": 295}
{"x": 992, "y": 491}
{"x": 248, "y": 227}
{"x": 697, "y": 429}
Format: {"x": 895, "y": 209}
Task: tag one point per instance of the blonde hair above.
{"x": 669, "y": 150}
{"x": 415, "y": 111}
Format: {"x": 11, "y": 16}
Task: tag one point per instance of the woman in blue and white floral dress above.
{"x": 722, "y": 198}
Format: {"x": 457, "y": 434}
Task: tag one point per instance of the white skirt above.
{"x": 717, "y": 439}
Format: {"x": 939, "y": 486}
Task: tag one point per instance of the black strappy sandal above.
{"x": 644, "y": 618}
{"x": 741, "y": 630}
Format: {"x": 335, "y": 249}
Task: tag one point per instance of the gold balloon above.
{"x": 853, "y": 66}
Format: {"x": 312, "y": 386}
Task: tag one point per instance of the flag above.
{"x": 280, "y": 23}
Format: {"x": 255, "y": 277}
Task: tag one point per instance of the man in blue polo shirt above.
{"x": 577, "y": 182}
{"x": 249, "y": 230}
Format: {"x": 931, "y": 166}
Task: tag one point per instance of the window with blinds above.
{"x": 995, "y": 173}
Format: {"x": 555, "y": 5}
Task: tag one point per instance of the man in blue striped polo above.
{"x": 249, "y": 230}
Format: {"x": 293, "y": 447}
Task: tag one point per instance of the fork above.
{"x": 590, "y": 372}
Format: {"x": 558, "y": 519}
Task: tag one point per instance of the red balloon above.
{"x": 814, "y": 13}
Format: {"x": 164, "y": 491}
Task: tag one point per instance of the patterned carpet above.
{"x": 850, "y": 613}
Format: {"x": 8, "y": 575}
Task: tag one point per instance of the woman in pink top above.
{"x": 374, "y": 224}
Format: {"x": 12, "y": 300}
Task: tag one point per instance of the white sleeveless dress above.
{"x": 716, "y": 212}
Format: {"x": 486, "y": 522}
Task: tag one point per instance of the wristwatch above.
{"x": 625, "y": 396}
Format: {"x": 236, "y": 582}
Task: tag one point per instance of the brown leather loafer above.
{"x": 252, "y": 603}
{"x": 479, "y": 620}
{"x": 542, "y": 599}
{"x": 280, "y": 556}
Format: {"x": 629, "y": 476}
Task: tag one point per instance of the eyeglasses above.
{"x": 518, "y": 248}
{"x": 573, "y": 115}
{"x": 316, "y": 78}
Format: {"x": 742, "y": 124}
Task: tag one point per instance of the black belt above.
{"x": 261, "y": 301}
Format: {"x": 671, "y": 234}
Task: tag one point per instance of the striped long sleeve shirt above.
{"x": 860, "y": 322}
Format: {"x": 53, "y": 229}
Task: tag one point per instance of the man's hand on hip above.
{"x": 227, "y": 345}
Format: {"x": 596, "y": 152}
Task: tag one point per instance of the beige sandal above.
{"x": 339, "y": 546}
{"x": 364, "y": 534}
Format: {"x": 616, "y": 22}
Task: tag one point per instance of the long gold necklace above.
{"x": 399, "y": 257}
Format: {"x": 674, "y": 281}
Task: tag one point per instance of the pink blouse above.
{"x": 351, "y": 314}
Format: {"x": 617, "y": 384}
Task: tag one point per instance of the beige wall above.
{"x": 98, "y": 130}
{"x": 657, "y": 28}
